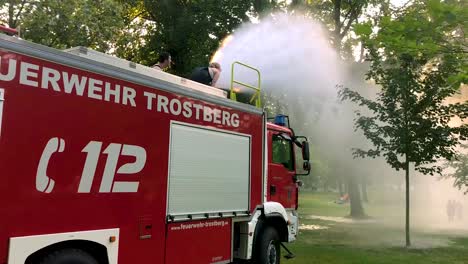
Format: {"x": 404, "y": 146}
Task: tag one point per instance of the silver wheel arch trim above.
{"x": 20, "y": 248}
{"x": 268, "y": 209}
{"x": 274, "y": 208}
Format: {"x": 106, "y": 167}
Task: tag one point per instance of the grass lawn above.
{"x": 368, "y": 242}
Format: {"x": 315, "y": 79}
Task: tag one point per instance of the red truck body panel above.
{"x": 199, "y": 242}
{"x": 32, "y": 116}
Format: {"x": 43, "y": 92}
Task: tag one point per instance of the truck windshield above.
{"x": 282, "y": 152}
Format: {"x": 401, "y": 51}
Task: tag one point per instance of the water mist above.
{"x": 299, "y": 66}
{"x": 292, "y": 52}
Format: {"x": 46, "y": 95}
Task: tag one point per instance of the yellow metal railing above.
{"x": 256, "y": 96}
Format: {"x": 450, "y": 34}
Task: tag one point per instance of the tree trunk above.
{"x": 11, "y": 14}
{"x": 339, "y": 181}
{"x": 357, "y": 211}
{"x": 361, "y": 54}
{"x": 407, "y": 229}
{"x": 364, "y": 189}
{"x": 337, "y": 21}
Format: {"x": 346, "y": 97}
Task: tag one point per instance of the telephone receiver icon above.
{"x": 43, "y": 182}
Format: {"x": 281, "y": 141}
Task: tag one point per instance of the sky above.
{"x": 399, "y": 2}
{"x": 394, "y": 2}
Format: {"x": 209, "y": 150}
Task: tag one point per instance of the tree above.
{"x": 417, "y": 58}
{"x": 459, "y": 165}
{"x": 132, "y": 40}
{"x": 364, "y": 180}
{"x": 341, "y": 16}
{"x": 55, "y": 24}
{"x": 88, "y": 23}
{"x": 189, "y": 30}
{"x": 14, "y": 11}
{"x": 263, "y": 7}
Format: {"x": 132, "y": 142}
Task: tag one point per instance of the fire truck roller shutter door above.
{"x": 209, "y": 171}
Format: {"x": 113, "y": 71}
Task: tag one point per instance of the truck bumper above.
{"x": 293, "y": 227}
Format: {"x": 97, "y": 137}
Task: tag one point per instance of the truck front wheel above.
{"x": 69, "y": 256}
{"x": 268, "y": 247}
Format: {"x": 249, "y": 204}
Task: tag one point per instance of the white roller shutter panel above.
{"x": 209, "y": 171}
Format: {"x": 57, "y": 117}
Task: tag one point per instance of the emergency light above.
{"x": 280, "y": 120}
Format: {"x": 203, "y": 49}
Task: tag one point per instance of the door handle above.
{"x": 272, "y": 189}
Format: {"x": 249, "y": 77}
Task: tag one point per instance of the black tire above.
{"x": 69, "y": 256}
{"x": 267, "y": 247}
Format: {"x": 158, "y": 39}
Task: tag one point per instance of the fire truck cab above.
{"x": 107, "y": 161}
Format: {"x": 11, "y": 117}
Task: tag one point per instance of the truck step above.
{"x": 290, "y": 255}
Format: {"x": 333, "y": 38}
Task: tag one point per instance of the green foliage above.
{"x": 459, "y": 165}
{"x": 12, "y": 11}
{"x": 363, "y": 29}
{"x": 189, "y": 30}
{"x": 263, "y": 7}
{"x": 414, "y": 64}
{"x": 89, "y": 23}
{"x": 340, "y": 17}
{"x": 131, "y": 41}
{"x": 417, "y": 58}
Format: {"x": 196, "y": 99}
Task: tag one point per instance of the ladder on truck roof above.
{"x": 255, "y": 99}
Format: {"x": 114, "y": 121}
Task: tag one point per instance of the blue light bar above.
{"x": 280, "y": 120}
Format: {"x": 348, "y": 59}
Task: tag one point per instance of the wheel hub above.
{"x": 271, "y": 253}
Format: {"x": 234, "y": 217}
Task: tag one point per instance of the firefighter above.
{"x": 164, "y": 61}
{"x": 207, "y": 75}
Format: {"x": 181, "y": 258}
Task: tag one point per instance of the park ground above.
{"x": 328, "y": 237}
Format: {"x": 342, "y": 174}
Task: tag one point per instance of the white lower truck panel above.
{"x": 22, "y": 247}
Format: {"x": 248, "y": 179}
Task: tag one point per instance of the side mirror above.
{"x": 302, "y": 143}
{"x": 306, "y": 165}
{"x": 305, "y": 151}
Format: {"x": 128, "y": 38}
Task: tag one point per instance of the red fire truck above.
{"x": 107, "y": 161}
